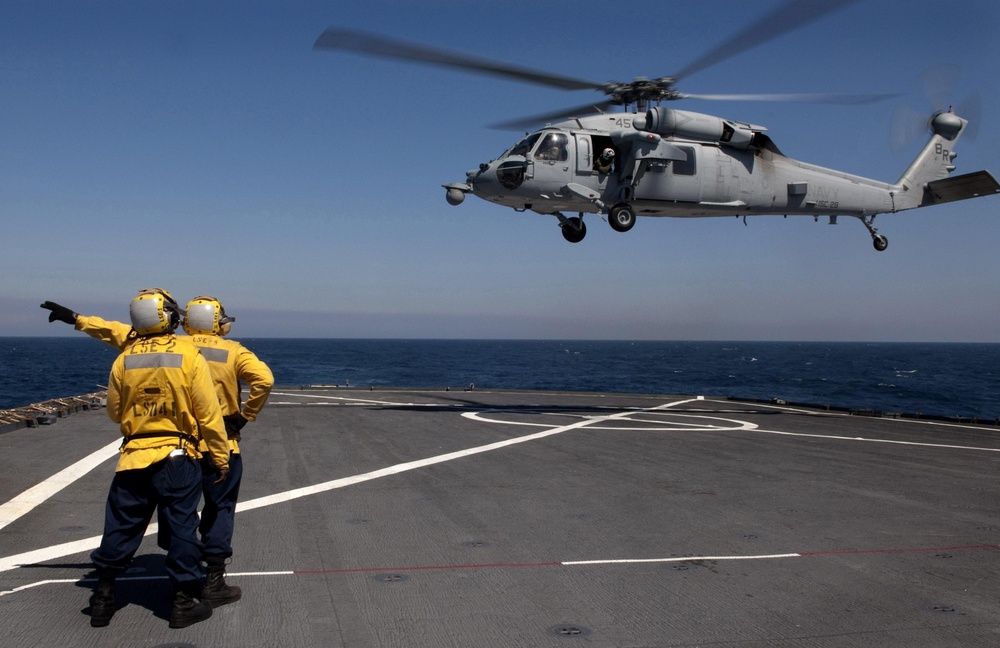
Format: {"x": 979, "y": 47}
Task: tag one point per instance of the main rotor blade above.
{"x": 851, "y": 99}
{"x": 525, "y": 123}
{"x": 346, "y": 39}
{"x": 790, "y": 15}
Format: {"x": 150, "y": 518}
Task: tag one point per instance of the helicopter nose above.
{"x": 483, "y": 180}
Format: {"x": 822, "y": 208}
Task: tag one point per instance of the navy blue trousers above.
{"x": 173, "y": 485}
{"x": 218, "y": 517}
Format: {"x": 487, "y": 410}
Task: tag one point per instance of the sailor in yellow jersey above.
{"x": 229, "y": 362}
{"x": 160, "y": 393}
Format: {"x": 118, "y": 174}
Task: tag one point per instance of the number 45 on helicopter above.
{"x": 656, "y": 161}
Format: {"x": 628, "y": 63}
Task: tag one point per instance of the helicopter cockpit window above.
{"x": 553, "y": 148}
{"x": 522, "y": 147}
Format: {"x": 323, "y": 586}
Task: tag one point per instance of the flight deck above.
{"x": 385, "y": 518}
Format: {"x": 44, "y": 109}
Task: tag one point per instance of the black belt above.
{"x": 161, "y": 435}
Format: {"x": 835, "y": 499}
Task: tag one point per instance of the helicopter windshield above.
{"x": 553, "y": 148}
{"x": 522, "y": 147}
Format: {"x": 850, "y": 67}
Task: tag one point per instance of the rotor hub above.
{"x": 947, "y": 124}
{"x": 641, "y": 91}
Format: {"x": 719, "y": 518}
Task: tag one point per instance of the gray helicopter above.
{"x": 656, "y": 161}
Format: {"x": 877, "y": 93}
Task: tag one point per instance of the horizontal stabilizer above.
{"x": 970, "y": 185}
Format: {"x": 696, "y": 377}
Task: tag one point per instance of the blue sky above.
{"x": 204, "y": 147}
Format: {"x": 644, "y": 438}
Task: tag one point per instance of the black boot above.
{"x": 217, "y": 592}
{"x": 102, "y": 603}
{"x": 187, "y": 609}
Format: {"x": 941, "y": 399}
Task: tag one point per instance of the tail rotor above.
{"x": 909, "y": 124}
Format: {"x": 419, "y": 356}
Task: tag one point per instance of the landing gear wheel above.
{"x": 621, "y": 217}
{"x": 574, "y": 229}
{"x": 880, "y": 242}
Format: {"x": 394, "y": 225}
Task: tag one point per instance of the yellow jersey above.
{"x": 160, "y": 392}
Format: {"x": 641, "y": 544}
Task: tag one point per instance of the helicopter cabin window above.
{"x": 522, "y": 147}
{"x": 553, "y": 148}
{"x": 685, "y": 167}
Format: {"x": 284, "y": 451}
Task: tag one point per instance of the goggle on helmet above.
{"x": 154, "y": 311}
{"x": 206, "y": 316}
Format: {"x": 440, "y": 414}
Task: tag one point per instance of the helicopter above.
{"x": 650, "y": 160}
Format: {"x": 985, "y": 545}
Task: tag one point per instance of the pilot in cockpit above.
{"x": 553, "y": 147}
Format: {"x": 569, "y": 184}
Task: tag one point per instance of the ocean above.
{"x": 947, "y": 380}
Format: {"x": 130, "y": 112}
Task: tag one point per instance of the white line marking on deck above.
{"x": 870, "y": 440}
{"x": 49, "y": 553}
{"x": 533, "y": 565}
{"x": 42, "y": 491}
{"x": 279, "y": 498}
{"x": 353, "y": 400}
{"x": 674, "y": 424}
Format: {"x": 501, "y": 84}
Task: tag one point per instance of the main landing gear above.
{"x": 573, "y": 228}
{"x": 878, "y": 241}
{"x": 621, "y": 217}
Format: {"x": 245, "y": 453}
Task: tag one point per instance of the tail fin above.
{"x": 933, "y": 164}
{"x": 934, "y": 161}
